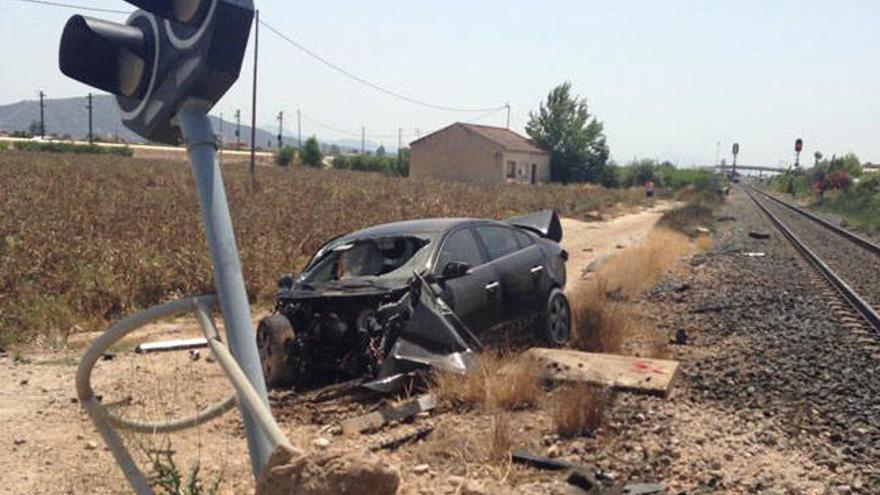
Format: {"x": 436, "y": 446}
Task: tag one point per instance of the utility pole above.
{"x": 90, "y": 107}
{"x": 237, "y": 129}
{"x": 507, "y": 105}
{"x": 254, "y": 99}
{"x": 399, "y": 148}
{"x": 299, "y": 135}
{"x": 363, "y": 139}
{"x": 42, "y": 118}
{"x": 280, "y": 129}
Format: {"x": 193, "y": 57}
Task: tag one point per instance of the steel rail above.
{"x": 861, "y": 241}
{"x": 860, "y": 305}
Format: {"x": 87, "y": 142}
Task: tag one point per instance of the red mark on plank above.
{"x": 642, "y": 367}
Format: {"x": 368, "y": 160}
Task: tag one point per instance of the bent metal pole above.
{"x": 228, "y": 279}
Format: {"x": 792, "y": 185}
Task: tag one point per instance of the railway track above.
{"x": 851, "y": 268}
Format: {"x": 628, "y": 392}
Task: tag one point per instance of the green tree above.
{"x": 402, "y": 165}
{"x": 563, "y": 126}
{"x": 311, "y": 153}
{"x": 380, "y": 151}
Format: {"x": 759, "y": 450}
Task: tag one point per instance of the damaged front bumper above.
{"x": 432, "y": 338}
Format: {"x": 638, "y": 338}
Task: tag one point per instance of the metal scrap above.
{"x": 382, "y": 417}
{"x": 171, "y": 345}
{"x": 404, "y": 436}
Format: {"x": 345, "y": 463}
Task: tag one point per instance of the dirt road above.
{"x": 589, "y": 241}
{"x": 48, "y": 445}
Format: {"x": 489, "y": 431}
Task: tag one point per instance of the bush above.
{"x": 793, "y": 182}
{"x": 3, "y": 146}
{"x": 366, "y": 163}
{"x": 311, "y": 153}
{"x": 666, "y": 175}
{"x": 284, "y": 157}
{"x": 61, "y": 147}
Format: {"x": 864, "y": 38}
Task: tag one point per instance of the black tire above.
{"x": 557, "y": 319}
{"x": 273, "y": 334}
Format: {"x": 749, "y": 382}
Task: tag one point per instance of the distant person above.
{"x": 649, "y": 189}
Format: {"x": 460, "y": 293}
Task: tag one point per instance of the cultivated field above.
{"x": 86, "y": 239}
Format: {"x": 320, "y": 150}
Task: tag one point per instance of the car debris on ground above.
{"x": 171, "y": 345}
{"x": 380, "y": 418}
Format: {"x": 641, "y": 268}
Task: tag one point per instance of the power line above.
{"x": 75, "y": 6}
{"x": 347, "y": 133}
{"x": 375, "y": 86}
{"x": 486, "y": 115}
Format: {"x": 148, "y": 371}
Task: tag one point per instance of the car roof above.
{"x": 421, "y": 226}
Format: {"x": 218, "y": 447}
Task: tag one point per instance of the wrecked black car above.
{"x": 383, "y": 302}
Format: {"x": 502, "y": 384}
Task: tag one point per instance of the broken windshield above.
{"x": 383, "y": 257}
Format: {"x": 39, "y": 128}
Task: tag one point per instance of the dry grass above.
{"x": 604, "y": 320}
{"x": 85, "y": 240}
{"x": 502, "y": 443}
{"x": 640, "y": 267}
{"x": 517, "y": 387}
{"x": 578, "y": 409}
{"x": 704, "y": 242}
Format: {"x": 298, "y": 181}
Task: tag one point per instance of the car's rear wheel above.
{"x": 274, "y": 333}
{"x": 557, "y": 319}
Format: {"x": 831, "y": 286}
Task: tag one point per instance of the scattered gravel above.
{"x": 775, "y": 393}
{"x": 859, "y": 267}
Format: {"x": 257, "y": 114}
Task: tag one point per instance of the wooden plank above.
{"x": 610, "y": 370}
{"x": 378, "y": 419}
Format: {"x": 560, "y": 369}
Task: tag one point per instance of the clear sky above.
{"x": 669, "y": 78}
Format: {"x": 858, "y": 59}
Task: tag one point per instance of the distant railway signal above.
{"x": 166, "y": 54}
{"x": 798, "y": 146}
{"x": 735, "y": 151}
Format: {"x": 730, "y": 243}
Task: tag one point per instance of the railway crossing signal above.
{"x": 168, "y": 65}
{"x": 167, "y": 54}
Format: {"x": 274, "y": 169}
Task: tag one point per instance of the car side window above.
{"x": 459, "y": 246}
{"x": 499, "y": 241}
{"x": 524, "y": 240}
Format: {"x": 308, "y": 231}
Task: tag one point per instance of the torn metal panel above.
{"x": 382, "y": 417}
{"x": 544, "y": 223}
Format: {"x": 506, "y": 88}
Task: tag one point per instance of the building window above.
{"x": 511, "y": 170}
{"x": 534, "y": 173}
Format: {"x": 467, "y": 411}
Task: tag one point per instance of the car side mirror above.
{"x": 455, "y": 269}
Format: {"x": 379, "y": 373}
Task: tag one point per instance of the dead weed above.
{"x": 604, "y": 319}
{"x": 578, "y": 409}
{"x": 495, "y": 384}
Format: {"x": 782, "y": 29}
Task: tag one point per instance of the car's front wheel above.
{"x": 274, "y": 333}
{"x": 557, "y": 319}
